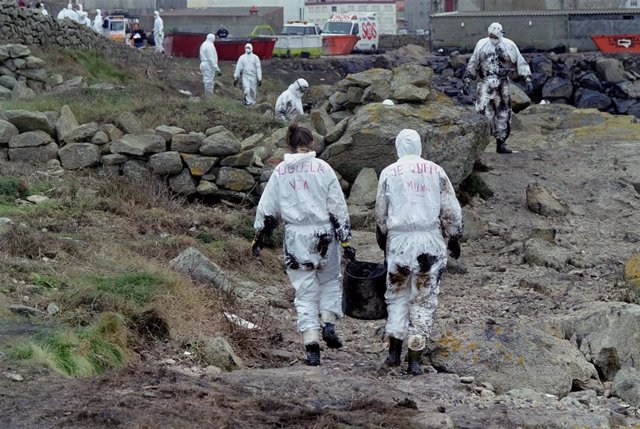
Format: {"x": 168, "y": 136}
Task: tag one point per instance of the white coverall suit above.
{"x": 208, "y": 63}
{"x": 68, "y": 13}
{"x": 249, "y": 67}
{"x": 490, "y": 64}
{"x": 158, "y": 32}
{"x": 97, "y": 22}
{"x": 289, "y": 103}
{"x": 417, "y": 209}
{"x": 305, "y": 194}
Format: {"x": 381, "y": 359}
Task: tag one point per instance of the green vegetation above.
{"x": 131, "y": 286}
{"x": 10, "y": 189}
{"x": 98, "y": 68}
{"x": 93, "y": 350}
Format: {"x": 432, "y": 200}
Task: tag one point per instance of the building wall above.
{"x": 135, "y": 7}
{"x": 320, "y": 12}
{"x": 417, "y": 14}
{"x": 540, "y": 32}
{"x": 238, "y": 26}
{"x": 293, "y": 9}
{"x": 520, "y": 5}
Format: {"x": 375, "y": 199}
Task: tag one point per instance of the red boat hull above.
{"x": 617, "y": 43}
{"x": 188, "y": 45}
{"x": 338, "y": 44}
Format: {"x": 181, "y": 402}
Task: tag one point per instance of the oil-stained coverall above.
{"x": 417, "y": 211}
{"x": 249, "y": 68}
{"x": 289, "y": 103}
{"x": 208, "y": 63}
{"x": 304, "y": 192}
{"x": 490, "y": 63}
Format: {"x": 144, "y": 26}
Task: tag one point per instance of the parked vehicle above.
{"x": 363, "y": 25}
{"x": 299, "y": 39}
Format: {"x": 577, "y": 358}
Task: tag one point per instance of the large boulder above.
{"x": 79, "y": 155}
{"x": 513, "y": 355}
{"x": 140, "y": 145}
{"x": 7, "y": 132}
{"x": 452, "y": 137}
{"x": 608, "y": 334}
{"x": 25, "y": 120}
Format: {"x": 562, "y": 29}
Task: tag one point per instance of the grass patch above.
{"x": 137, "y": 287}
{"x": 98, "y": 68}
{"x": 13, "y": 188}
{"x": 100, "y": 347}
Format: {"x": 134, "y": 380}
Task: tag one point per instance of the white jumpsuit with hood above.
{"x": 97, "y": 22}
{"x": 158, "y": 32}
{"x": 490, "y": 64}
{"x": 82, "y": 16}
{"x": 289, "y": 103}
{"x": 305, "y": 194}
{"x": 249, "y": 68}
{"x": 208, "y": 63}
{"x": 68, "y": 13}
{"x": 416, "y": 207}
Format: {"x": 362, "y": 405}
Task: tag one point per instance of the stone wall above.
{"x": 31, "y": 28}
{"x": 392, "y": 41}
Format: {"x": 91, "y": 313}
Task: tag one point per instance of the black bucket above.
{"x": 364, "y": 286}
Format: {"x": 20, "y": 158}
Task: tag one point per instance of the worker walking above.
{"x": 209, "y": 63}
{"x": 304, "y": 193}
{"x": 158, "y": 32}
{"x": 249, "y": 68}
{"x": 490, "y": 63}
{"x": 289, "y": 103}
{"x": 417, "y": 218}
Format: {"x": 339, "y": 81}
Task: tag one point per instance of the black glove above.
{"x": 307, "y": 107}
{"x": 260, "y": 82}
{"x": 255, "y": 248}
{"x": 528, "y": 86}
{"x": 381, "y": 238}
{"x": 454, "y": 248}
{"x": 466, "y": 88}
{"x": 348, "y": 251}
{"x": 235, "y": 82}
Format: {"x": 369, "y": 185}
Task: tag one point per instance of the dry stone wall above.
{"x": 29, "y": 27}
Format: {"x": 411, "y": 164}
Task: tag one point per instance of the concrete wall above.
{"x": 519, "y": 5}
{"x": 293, "y": 9}
{"x": 545, "y": 32}
{"x": 238, "y": 26}
{"x": 135, "y": 7}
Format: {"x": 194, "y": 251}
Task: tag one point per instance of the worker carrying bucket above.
{"x": 417, "y": 218}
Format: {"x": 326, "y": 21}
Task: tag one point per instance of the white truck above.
{"x": 363, "y": 25}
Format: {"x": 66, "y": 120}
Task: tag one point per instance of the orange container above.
{"x": 338, "y": 44}
{"x": 616, "y": 43}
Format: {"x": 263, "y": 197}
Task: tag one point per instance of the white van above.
{"x": 364, "y": 25}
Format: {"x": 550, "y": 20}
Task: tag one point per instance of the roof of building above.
{"x": 343, "y": 2}
{"x": 539, "y": 13}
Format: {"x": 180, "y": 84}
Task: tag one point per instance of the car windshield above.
{"x": 337, "y": 28}
{"x": 117, "y": 25}
{"x": 294, "y": 29}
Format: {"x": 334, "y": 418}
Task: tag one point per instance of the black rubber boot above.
{"x": 330, "y": 337}
{"x": 395, "y": 352}
{"x": 313, "y": 354}
{"x": 414, "y": 357}
{"x": 501, "y": 147}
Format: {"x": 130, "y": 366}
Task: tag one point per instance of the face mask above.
{"x": 248, "y": 51}
{"x": 493, "y": 41}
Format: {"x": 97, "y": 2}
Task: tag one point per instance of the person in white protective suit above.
{"x": 417, "y": 218}
{"x": 491, "y": 63}
{"x": 209, "y": 63}
{"x": 97, "y": 22}
{"x": 304, "y": 193}
{"x": 41, "y": 8}
{"x": 82, "y": 16}
{"x": 249, "y": 68}
{"x": 68, "y": 13}
{"x": 289, "y": 103}
{"x": 158, "y": 32}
